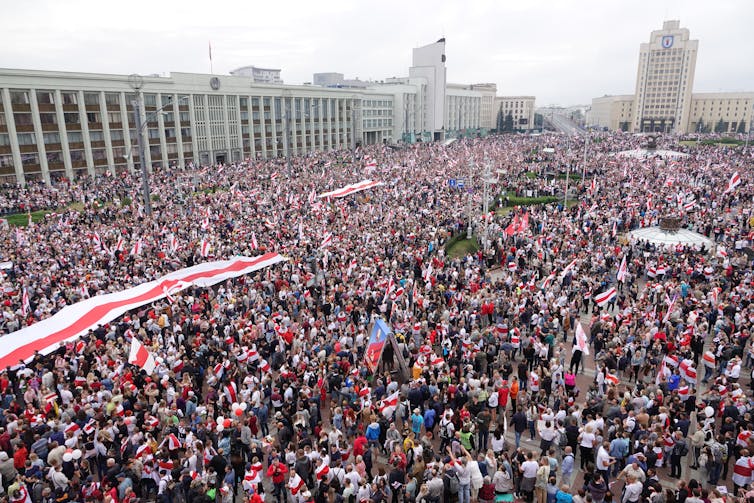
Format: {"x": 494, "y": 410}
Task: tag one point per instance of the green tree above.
{"x": 720, "y": 127}
{"x": 741, "y": 127}
{"x": 508, "y": 125}
{"x": 699, "y": 126}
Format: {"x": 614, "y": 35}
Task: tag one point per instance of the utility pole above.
{"x": 469, "y": 185}
{"x": 487, "y": 181}
{"x": 568, "y": 173}
{"x": 583, "y": 168}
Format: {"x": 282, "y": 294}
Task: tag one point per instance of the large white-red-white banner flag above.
{"x": 77, "y": 319}
{"x": 351, "y": 189}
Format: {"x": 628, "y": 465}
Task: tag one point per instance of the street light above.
{"x": 137, "y": 82}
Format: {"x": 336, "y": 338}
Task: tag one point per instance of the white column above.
{"x": 273, "y": 124}
{"x": 125, "y": 115}
{"x": 63, "y": 135}
{"x": 263, "y": 127}
{"x": 226, "y": 127}
{"x": 106, "y": 131}
{"x": 178, "y": 134}
{"x": 85, "y": 134}
{"x": 208, "y": 124}
{"x": 252, "y": 142}
{"x": 239, "y": 126}
{"x": 338, "y": 136}
{"x": 14, "y": 148}
{"x": 41, "y": 151}
{"x": 194, "y": 130}
{"x": 320, "y": 123}
{"x": 161, "y": 129}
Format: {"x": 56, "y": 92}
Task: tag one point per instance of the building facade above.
{"x": 612, "y": 112}
{"x": 259, "y": 75}
{"x": 65, "y": 124}
{"x": 664, "y": 80}
{"x": 664, "y": 100}
{"x": 520, "y": 108}
{"x": 57, "y": 124}
{"x": 428, "y": 64}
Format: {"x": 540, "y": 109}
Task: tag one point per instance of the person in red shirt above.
{"x": 359, "y": 445}
{"x": 277, "y": 471}
{"x": 19, "y": 458}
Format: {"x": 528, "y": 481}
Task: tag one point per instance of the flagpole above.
{"x": 210, "y": 58}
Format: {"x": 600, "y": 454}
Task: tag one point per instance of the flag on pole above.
{"x": 140, "y": 357}
{"x": 204, "y": 248}
{"x": 25, "y": 305}
{"x": 622, "y": 270}
{"x": 210, "y": 50}
{"x": 602, "y": 299}
{"x": 326, "y": 240}
{"x": 615, "y": 228}
{"x": 389, "y": 404}
{"x": 136, "y": 248}
{"x": 734, "y": 182}
{"x": 581, "y": 340}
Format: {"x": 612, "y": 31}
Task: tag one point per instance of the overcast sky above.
{"x": 561, "y": 51}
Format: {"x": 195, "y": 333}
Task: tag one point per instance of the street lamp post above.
{"x": 586, "y": 145}
{"x": 568, "y": 173}
{"x": 469, "y": 228}
{"x": 137, "y": 82}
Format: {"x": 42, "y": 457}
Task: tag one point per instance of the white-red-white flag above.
{"x": 136, "y": 248}
{"x": 254, "y": 244}
{"x": 389, "y": 404}
{"x": 622, "y": 270}
{"x": 602, "y": 299}
{"x": 204, "y": 247}
{"x": 326, "y": 240}
{"x": 140, "y": 357}
{"x": 25, "y": 304}
{"x": 734, "y": 182}
{"x": 581, "y": 340}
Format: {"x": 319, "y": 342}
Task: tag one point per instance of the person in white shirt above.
{"x": 586, "y": 446}
{"x": 632, "y": 491}
{"x": 528, "y": 471}
{"x": 604, "y": 461}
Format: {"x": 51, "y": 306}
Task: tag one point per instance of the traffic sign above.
{"x": 460, "y": 183}
{"x": 452, "y": 182}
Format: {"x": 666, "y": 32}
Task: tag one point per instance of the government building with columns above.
{"x": 57, "y": 125}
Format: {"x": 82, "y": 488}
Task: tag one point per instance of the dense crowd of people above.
{"x": 489, "y": 394}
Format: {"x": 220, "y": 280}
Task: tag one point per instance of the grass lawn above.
{"x": 571, "y": 176}
{"x": 22, "y": 219}
{"x": 459, "y": 246}
{"x": 722, "y": 142}
{"x": 531, "y": 175}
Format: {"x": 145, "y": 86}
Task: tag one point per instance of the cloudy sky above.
{"x": 562, "y": 51}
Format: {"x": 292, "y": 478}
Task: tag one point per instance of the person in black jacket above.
{"x": 396, "y": 479}
{"x": 520, "y": 424}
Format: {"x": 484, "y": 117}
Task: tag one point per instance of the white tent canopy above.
{"x": 668, "y": 239}
{"x": 641, "y": 153}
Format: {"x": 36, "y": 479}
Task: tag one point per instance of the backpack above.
{"x": 453, "y": 482}
{"x": 445, "y": 430}
{"x": 717, "y": 453}
{"x": 562, "y": 439}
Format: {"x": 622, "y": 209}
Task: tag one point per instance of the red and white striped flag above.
{"x": 326, "y": 240}
{"x": 602, "y": 299}
{"x": 734, "y": 182}
{"x": 615, "y": 228}
{"x": 136, "y": 248}
{"x": 90, "y": 427}
{"x": 25, "y": 304}
{"x": 664, "y": 372}
{"x": 172, "y": 442}
{"x": 389, "y": 404}
{"x": 581, "y": 340}
{"x": 622, "y": 270}
{"x": 611, "y": 378}
{"x": 204, "y": 248}
{"x": 231, "y": 392}
{"x": 119, "y": 245}
{"x": 140, "y": 357}
{"x": 254, "y": 244}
